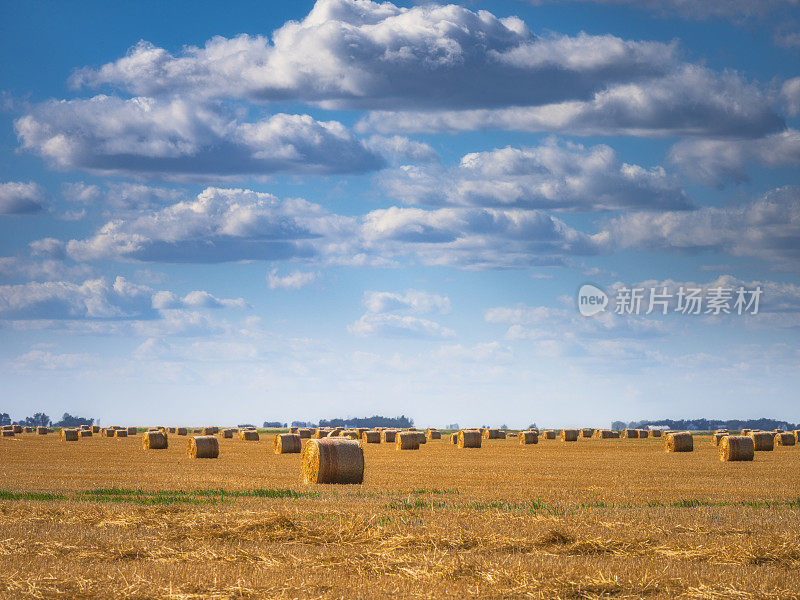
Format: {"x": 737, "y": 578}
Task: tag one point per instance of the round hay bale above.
{"x": 421, "y": 437}
{"x": 335, "y": 432}
{"x": 629, "y": 434}
{"x": 121, "y": 433}
{"x": 656, "y": 433}
{"x": 491, "y": 434}
{"x": 203, "y": 446}
{"x": 371, "y": 437}
{"x": 227, "y": 433}
{"x": 587, "y": 432}
{"x": 332, "y": 460}
{"x": 454, "y": 438}
{"x": 293, "y": 429}
{"x": 550, "y": 434}
{"x": 763, "y": 441}
{"x": 606, "y": 434}
{"x": 321, "y": 432}
{"x": 287, "y": 443}
{"x": 207, "y": 431}
{"x": 28, "y": 429}
{"x": 469, "y": 438}
{"x": 433, "y": 434}
{"x": 181, "y": 431}
{"x": 69, "y": 435}
{"x": 388, "y": 436}
{"x": 353, "y": 434}
{"x": 528, "y": 437}
{"x": 679, "y": 442}
{"x": 9, "y": 433}
{"x": 85, "y": 433}
{"x": 736, "y": 447}
{"x": 784, "y": 439}
{"x": 41, "y": 431}
{"x": 644, "y": 434}
{"x": 154, "y": 440}
{"x": 406, "y": 440}
{"x": 131, "y": 430}
{"x": 305, "y": 433}
{"x": 16, "y": 428}
{"x": 717, "y": 437}
{"x": 249, "y": 435}
{"x": 797, "y": 435}
{"x": 569, "y": 435}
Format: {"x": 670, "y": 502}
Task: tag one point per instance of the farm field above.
{"x": 102, "y": 518}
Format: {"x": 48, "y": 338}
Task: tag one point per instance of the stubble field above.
{"x": 102, "y": 518}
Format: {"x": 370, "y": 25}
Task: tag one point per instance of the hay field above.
{"x": 103, "y": 518}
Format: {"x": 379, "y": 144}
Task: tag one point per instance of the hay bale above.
{"x": 762, "y": 440}
{"x": 321, "y": 432}
{"x": 305, "y": 433}
{"x": 717, "y": 437}
{"x": 203, "y": 446}
{"x": 736, "y": 447}
{"x": 293, "y": 429}
{"x": 644, "y": 434}
{"x": 154, "y": 440}
{"x": 332, "y": 460}
{"x": 173, "y": 430}
{"x": 469, "y": 438}
{"x": 629, "y": 434}
{"x": 121, "y": 433}
{"x": 797, "y": 435}
{"x": 131, "y": 430}
{"x": 287, "y": 443}
{"x": 69, "y": 435}
{"x": 656, "y": 433}
{"x": 249, "y": 435}
{"x": 85, "y": 433}
{"x": 227, "y": 433}
{"x": 587, "y": 432}
{"x": 606, "y": 434}
{"x": 433, "y": 434}
{"x": 549, "y": 434}
{"x": 371, "y": 437}
{"x": 569, "y": 435}
{"x": 388, "y": 436}
{"x": 528, "y": 437}
{"x": 784, "y": 439}
{"x": 41, "y": 431}
{"x": 181, "y": 431}
{"x": 28, "y": 429}
{"x": 207, "y": 431}
{"x": 406, "y": 440}
{"x": 454, "y": 438}
{"x": 492, "y": 434}
{"x": 679, "y": 442}
{"x": 421, "y": 437}
{"x": 353, "y": 434}
{"x": 16, "y": 428}
{"x": 9, "y": 433}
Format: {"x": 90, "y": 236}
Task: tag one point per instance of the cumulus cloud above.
{"x": 37, "y": 360}
{"x": 195, "y": 299}
{"x": 552, "y": 176}
{"x": 716, "y": 162}
{"x": 121, "y": 197}
{"x": 291, "y": 281}
{"x": 181, "y": 138}
{"x": 41, "y": 269}
{"x": 18, "y": 198}
{"x": 790, "y": 94}
{"x": 767, "y": 228}
{"x": 397, "y": 326}
{"x": 707, "y": 9}
{"x": 692, "y": 101}
{"x": 398, "y": 148}
{"x": 415, "y": 301}
{"x": 362, "y": 54}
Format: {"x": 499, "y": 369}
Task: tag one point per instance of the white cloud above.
{"x": 393, "y": 325}
{"x": 398, "y": 148}
{"x": 790, "y": 94}
{"x": 195, "y": 299}
{"x": 415, "y": 301}
{"x": 767, "y": 228}
{"x": 121, "y": 197}
{"x": 38, "y": 360}
{"x": 554, "y": 175}
{"x": 691, "y": 101}
{"x": 18, "y": 198}
{"x": 177, "y": 138}
{"x": 735, "y": 10}
{"x": 291, "y": 281}
{"x": 361, "y": 54}
{"x": 46, "y": 269}
{"x": 715, "y": 162}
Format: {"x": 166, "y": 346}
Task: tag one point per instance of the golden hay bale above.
{"x": 131, "y": 430}
{"x": 16, "y": 428}
{"x": 8, "y": 433}
{"x": 469, "y": 438}
{"x": 717, "y": 438}
{"x": 41, "y": 431}
{"x": 69, "y": 435}
{"x": 569, "y": 435}
{"x": 746, "y": 431}
{"x": 207, "y": 431}
{"x": 406, "y": 440}
{"x": 606, "y": 434}
{"x": 321, "y": 432}
{"x": 85, "y": 433}
{"x": 249, "y": 435}
{"x": 492, "y": 434}
{"x": 172, "y": 430}
{"x": 433, "y": 434}
{"x": 421, "y": 437}
{"x": 371, "y": 437}
{"x": 454, "y": 438}
{"x": 305, "y": 433}
{"x": 28, "y": 429}
{"x": 528, "y": 437}
{"x": 332, "y": 460}
{"x": 587, "y": 432}
{"x": 736, "y": 447}
{"x": 388, "y": 436}
{"x": 287, "y": 443}
{"x": 95, "y": 428}
{"x": 550, "y": 434}
{"x": 797, "y": 435}
{"x": 120, "y": 433}
{"x": 655, "y": 433}
{"x": 353, "y": 434}
{"x": 762, "y": 440}
{"x": 154, "y": 440}
{"x": 644, "y": 434}
{"x": 629, "y": 434}
{"x": 293, "y": 429}
{"x": 227, "y": 433}
{"x": 203, "y": 446}
{"x": 784, "y": 439}
{"x": 181, "y": 431}
{"x": 679, "y": 442}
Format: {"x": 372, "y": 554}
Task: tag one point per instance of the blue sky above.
{"x": 297, "y": 210}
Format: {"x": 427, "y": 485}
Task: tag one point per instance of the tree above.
{"x": 69, "y": 421}
{"x": 37, "y": 420}
{"x": 617, "y": 425}
{"x": 5, "y": 419}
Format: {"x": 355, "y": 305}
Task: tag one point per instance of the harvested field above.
{"x": 100, "y": 518}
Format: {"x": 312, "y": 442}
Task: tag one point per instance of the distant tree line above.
{"x": 709, "y": 424}
{"x": 40, "y": 419}
{"x": 376, "y": 421}
{"x": 273, "y": 424}
{"x": 67, "y": 420}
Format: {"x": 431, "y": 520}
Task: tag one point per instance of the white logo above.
{"x": 591, "y": 300}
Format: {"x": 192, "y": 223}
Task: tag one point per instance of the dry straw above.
{"x": 181, "y": 431}
{"x": 249, "y": 435}
{"x": 549, "y": 434}
{"x": 784, "y": 439}
{"x": 528, "y": 437}
{"x": 797, "y": 435}
{"x": 606, "y": 434}
{"x": 679, "y": 442}
{"x": 131, "y": 430}
{"x": 655, "y": 433}
{"x": 736, "y": 447}
{"x": 287, "y": 443}
{"x": 353, "y": 434}
{"x": 305, "y": 433}
{"x": 433, "y": 434}
{"x": 85, "y": 433}
{"x": 406, "y": 440}
{"x": 469, "y": 438}
{"x": 587, "y": 432}
{"x": 42, "y": 431}
{"x": 644, "y": 434}
{"x": 371, "y": 437}
{"x": 69, "y": 435}
{"x": 717, "y": 438}
{"x": 388, "y": 436}
{"x": 421, "y": 437}
{"x": 332, "y": 460}
{"x": 208, "y": 431}
{"x": 9, "y": 433}
{"x": 227, "y": 433}
{"x": 762, "y": 440}
{"x": 16, "y": 428}
{"x": 493, "y": 434}
{"x": 154, "y": 440}
{"x": 569, "y": 435}
{"x": 120, "y": 433}
{"x": 629, "y": 434}
{"x": 203, "y": 446}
